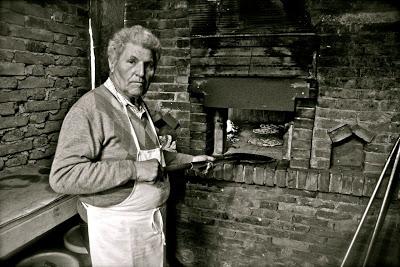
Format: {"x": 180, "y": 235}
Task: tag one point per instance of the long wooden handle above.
{"x": 236, "y": 157}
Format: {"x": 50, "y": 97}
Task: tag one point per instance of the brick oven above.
{"x": 255, "y": 77}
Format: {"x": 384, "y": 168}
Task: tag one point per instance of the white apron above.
{"x": 131, "y": 233}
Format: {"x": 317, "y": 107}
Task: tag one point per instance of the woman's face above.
{"x": 133, "y": 71}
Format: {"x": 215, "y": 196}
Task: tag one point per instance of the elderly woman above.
{"x": 109, "y": 153}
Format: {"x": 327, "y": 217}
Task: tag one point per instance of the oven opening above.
{"x": 259, "y": 132}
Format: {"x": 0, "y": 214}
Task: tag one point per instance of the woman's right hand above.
{"x": 148, "y": 170}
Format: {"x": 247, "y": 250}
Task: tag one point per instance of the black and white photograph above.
{"x": 199, "y": 133}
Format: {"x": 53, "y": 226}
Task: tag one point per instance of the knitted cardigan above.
{"x": 96, "y": 154}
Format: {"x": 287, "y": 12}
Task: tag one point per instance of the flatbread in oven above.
{"x": 267, "y": 129}
{"x": 265, "y": 141}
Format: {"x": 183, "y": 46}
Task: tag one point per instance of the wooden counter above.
{"x": 29, "y": 208}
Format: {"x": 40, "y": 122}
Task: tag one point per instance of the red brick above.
{"x": 181, "y": 97}
{"x": 332, "y": 215}
{"x": 347, "y": 182}
{"x": 35, "y": 93}
{"x": 52, "y": 126}
{"x": 38, "y": 117}
{"x": 7, "y": 108}
{"x": 291, "y": 178}
{"x": 259, "y": 175}
{"x": 17, "y": 160}
{"x": 372, "y": 168}
{"x": 301, "y": 144}
{"x": 40, "y": 154}
{"x": 62, "y": 28}
{"x": 238, "y": 174}
{"x": 12, "y": 122}
{"x": 319, "y": 153}
{"x": 335, "y": 185}
{"x": 299, "y": 163}
{"x": 40, "y": 142}
{"x": 197, "y": 144}
{"x": 198, "y": 127}
{"x": 63, "y": 50}
{"x": 228, "y": 172}
{"x": 183, "y": 106}
{"x": 34, "y": 106}
{"x": 6, "y": 55}
{"x": 370, "y": 182}
{"x": 269, "y": 177}
{"x": 303, "y": 134}
{"x": 35, "y": 46}
{"x": 198, "y": 117}
{"x": 11, "y": 43}
{"x": 15, "y": 147}
{"x": 35, "y": 82}
{"x": 376, "y": 158}
{"x": 29, "y": 33}
{"x": 63, "y": 60}
{"x": 323, "y": 181}
{"x": 248, "y": 171}
{"x": 280, "y": 178}
{"x": 323, "y": 123}
{"x": 303, "y": 123}
{"x": 7, "y": 68}
{"x": 358, "y": 184}
{"x": 35, "y": 70}
{"x": 8, "y": 82}
{"x": 339, "y": 115}
{"x": 300, "y": 153}
{"x": 320, "y": 163}
{"x": 34, "y": 58}
{"x": 60, "y": 38}
{"x": 197, "y": 108}
{"x": 198, "y": 136}
{"x": 13, "y": 135}
{"x": 301, "y": 179}
{"x": 218, "y": 172}
{"x": 9, "y": 96}
{"x": 160, "y": 96}
{"x": 312, "y": 181}
{"x": 61, "y": 71}
{"x": 9, "y": 16}
{"x": 60, "y": 115}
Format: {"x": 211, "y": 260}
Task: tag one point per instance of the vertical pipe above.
{"x": 370, "y": 202}
{"x": 382, "y": 212}
{"x": 92, "y": 57}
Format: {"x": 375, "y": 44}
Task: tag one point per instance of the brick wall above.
{"x": 229, "y": 224}
{"x": 293, "y": 213}
{"x": 168, "y": 19}
{"x": 44, "y": 68}
{"x": 358, "y": 76}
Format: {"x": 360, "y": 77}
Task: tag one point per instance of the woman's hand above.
{"x": 202, "y": 158}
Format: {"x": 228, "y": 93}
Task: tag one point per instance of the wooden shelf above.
{"x": 29, "y": 208}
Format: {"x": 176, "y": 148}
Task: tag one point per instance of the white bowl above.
{"x": 73, "y": 240}
{"x": 52, "y": 258}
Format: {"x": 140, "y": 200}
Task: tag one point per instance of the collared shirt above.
{"x": 137, "y": 111}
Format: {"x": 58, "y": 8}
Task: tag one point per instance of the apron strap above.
{"x": 158, "y": 224}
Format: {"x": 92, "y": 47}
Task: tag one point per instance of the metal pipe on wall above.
{"x": 370, "y": 201}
